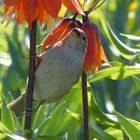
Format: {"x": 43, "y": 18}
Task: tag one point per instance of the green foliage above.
{"x": 113, "y": 92}
{"x": 128, "y": 127}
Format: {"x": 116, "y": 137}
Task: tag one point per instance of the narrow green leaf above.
{"x": 45, "y": 137}
{"x": 3, "y": 136}
{"x": 42, "y": 127}
{"x": 125, "y": 51}
{"x": 95, "y": 132}
{"x": 114, "y": 73}
{"x": 135, "y": 58}
{"x": 96, "y": 113}
{"x": 48, "y": 122}
{"x": 138, "y": 105}
{"x": 3, "y": 128}
{"x": 75, "y": 115}
{"x": 7, "y": 117}
{"x": 16, "y": 137}
{"x": 124, "y": 72}
{"x": 17, "y": 57}
{"x": 117, "y": 133}
{"x": 5, "y": 59}
{"x": 5, "y": 131}
{"x": 136, "y": 80}
{"x": 38, "y": 117}
{"x": 136, "y": 123}
{"x": 100, "y": 116}
{"x": 100, "y": 134}
{"x": 131, "y": 130}
{"x": 132, "y": 37}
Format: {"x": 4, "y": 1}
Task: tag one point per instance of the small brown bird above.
{"x": 60, "y": 68}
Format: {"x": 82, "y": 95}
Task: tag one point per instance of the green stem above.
{"x": 29, "y": 94}
{"x": 85, "y": 106}
{"x": 95, "y": 6}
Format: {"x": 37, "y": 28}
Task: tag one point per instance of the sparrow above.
{"x": 58, "y": 71}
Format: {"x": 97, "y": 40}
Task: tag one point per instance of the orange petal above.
{"x": 74, "y": 5}
{"x": 20, "y": 18}
{"x": 6, "y": 8}
{"x": 88, "y": 61}
{"x": 92, "y": 60}
{"x": 98, "y": 48}
{"x": 10, "y": 2}
{"x": 103, "y": 56}
{"x": 52, "y": 7}
{"x": 40, "y": 14}
{"x": 67, "y": 30}
{"x": 57, "y": 33}
{"x": 30, "y": 10}
{"x": 9, "y": 10}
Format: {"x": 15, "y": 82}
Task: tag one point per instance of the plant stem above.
{"x": 29, "y": 94}
{"x": 85, "y": 105}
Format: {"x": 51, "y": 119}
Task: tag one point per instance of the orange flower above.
{"x": 74, "y": 5}
{"x": 60, "y": 31}
{"x": 12, "y": 7}
{"x": 29, "y": 10}
{"x": 95, "y": 53}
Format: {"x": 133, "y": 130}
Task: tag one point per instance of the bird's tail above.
{"x": 18, "y": 105}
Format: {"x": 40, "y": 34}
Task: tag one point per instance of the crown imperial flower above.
{"x": 30, "y": 10}
{"x": 95, "y": 53}
{"x": 60, "y": 31}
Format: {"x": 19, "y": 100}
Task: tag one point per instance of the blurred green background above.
{"x": 121, "y": 94}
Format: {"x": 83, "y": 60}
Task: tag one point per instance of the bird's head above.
{"x": 76, "y": 40}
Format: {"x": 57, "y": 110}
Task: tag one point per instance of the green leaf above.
{"x": 117, "y": 133}
{"x": 3, "y": 136}
{"x": 7, "y": 117}
{"x": 114, "y": 73}
{"x": 17, "y": 57}
{"x": 5, "y": 131}
{"x": 95, "y": 132}
{"x": 45, "y": 137}
{"x": 43, "y": 126}
{"x": 37, "y": 120}
{"x": 60, "y": 119}
{"x": 16, "y": 137}
{"x": 100, "y": 116}
{"x": 28, "y": 133}
{"x": 8, "y": 84}
{"x": 131, "y": 130}
{"x": 132, "y": 37}
{"x": 138, "y": 105}
{"x": 136, "y": 80}
{"x": 135, "y": 123}
{"x": 100, "y": 134}
{"x": 75, "y": 116}
{"x": 136, "y": 26}
{"x": 3, "y": 128}
{"x": 49, "y": 121}
{"x": 125, "y": 51}
{"x": 5, "y": 59}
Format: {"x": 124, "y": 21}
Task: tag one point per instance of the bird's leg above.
{"x": 32, "y": 110}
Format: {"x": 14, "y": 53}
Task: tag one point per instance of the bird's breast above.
{"x": 56, "y": 74}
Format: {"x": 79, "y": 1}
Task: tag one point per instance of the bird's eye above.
{"x": 84, "y": 38}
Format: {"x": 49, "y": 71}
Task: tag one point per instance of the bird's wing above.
{"x": 55, "y": 75}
